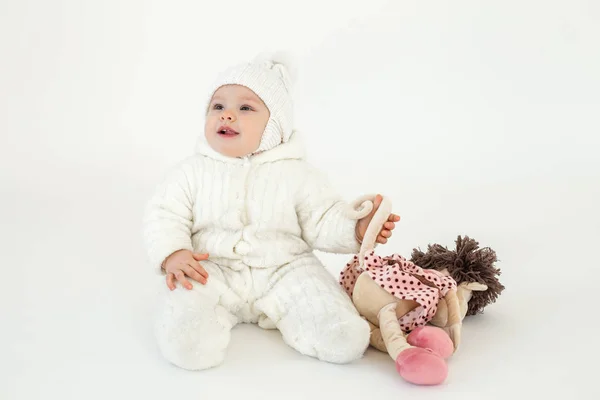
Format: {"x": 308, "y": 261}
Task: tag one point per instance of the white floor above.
{"x": 77, "y": 298}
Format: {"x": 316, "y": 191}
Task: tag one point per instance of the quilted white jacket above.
{"x": 263, "y": 211}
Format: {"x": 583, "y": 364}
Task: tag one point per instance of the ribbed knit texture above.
{"x": 263, "y": 211}
{"x": 301, "y": 299}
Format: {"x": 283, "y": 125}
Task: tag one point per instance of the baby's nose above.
{"x": 227, "y": 116}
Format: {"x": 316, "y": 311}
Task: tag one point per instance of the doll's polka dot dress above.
{"x": 402, "y": 279}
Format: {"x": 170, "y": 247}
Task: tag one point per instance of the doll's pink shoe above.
{"x": 432, "y": 337}
{"x": 421, "y": 366}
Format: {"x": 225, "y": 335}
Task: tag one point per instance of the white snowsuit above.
{"x": 259, "y": 219}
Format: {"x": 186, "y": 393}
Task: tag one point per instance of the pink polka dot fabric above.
{"x": 403, "y": 279}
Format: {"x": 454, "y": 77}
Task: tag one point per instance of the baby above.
{"x": 233, "y": 228}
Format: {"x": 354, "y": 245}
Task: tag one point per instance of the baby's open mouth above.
{"x": 227, "y": 131}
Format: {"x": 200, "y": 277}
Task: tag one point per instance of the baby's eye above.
{"x": 246, "y": 108}
{"x": 217, "y": 107}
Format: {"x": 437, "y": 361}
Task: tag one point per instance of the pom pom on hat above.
{"x": 271, "y": 76}
{"x": 282, "y": 62}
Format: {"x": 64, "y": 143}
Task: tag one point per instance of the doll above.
{"x": 471, "y": 267}
{"x": 415, "y": 307}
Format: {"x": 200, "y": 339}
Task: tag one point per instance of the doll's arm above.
{"x": 454, "y": 322}
{"x": 168, "y": 217}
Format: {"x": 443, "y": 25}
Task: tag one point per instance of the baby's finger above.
{"x": 386, "y": 234}
{"x": 170, "y": 281}
{"x": 181, "y": 278}
{"x": 197, "y": 267}
{"x": 394, "y": 218}
{"x": 200, "y": 256}
{"x": 381, "y": 239}
{"x": 195, "y": 275}
{"x": 389, "y": 225}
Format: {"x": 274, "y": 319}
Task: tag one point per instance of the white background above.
{"x": 476, "y": 118}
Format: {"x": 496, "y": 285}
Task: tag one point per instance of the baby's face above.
{"x": 235, "y": 121}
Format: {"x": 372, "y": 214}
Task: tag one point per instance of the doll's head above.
{"x": 250, "y": 108}
{"x": 468, "y": 265}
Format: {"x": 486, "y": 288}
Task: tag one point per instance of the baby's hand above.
{"x": 184, "y": 263}
{"x": 386, "y": 231}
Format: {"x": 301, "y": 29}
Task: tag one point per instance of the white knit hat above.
{"x": 270, "y": 77}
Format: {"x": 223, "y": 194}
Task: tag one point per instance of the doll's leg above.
{"x": 192, "y": 327}
{"x": 313, "y": 313}
{"x": 376, "y": 339}
{"x": 415, "y": 364}
{"x": 432, "y": 337}
{"x": 428, "y": 337}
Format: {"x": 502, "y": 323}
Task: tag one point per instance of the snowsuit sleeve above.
{"x": 168, "y": 217}
{"x": 328, "y": 222}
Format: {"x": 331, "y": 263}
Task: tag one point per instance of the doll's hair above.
{"x": 467, "y": 263}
